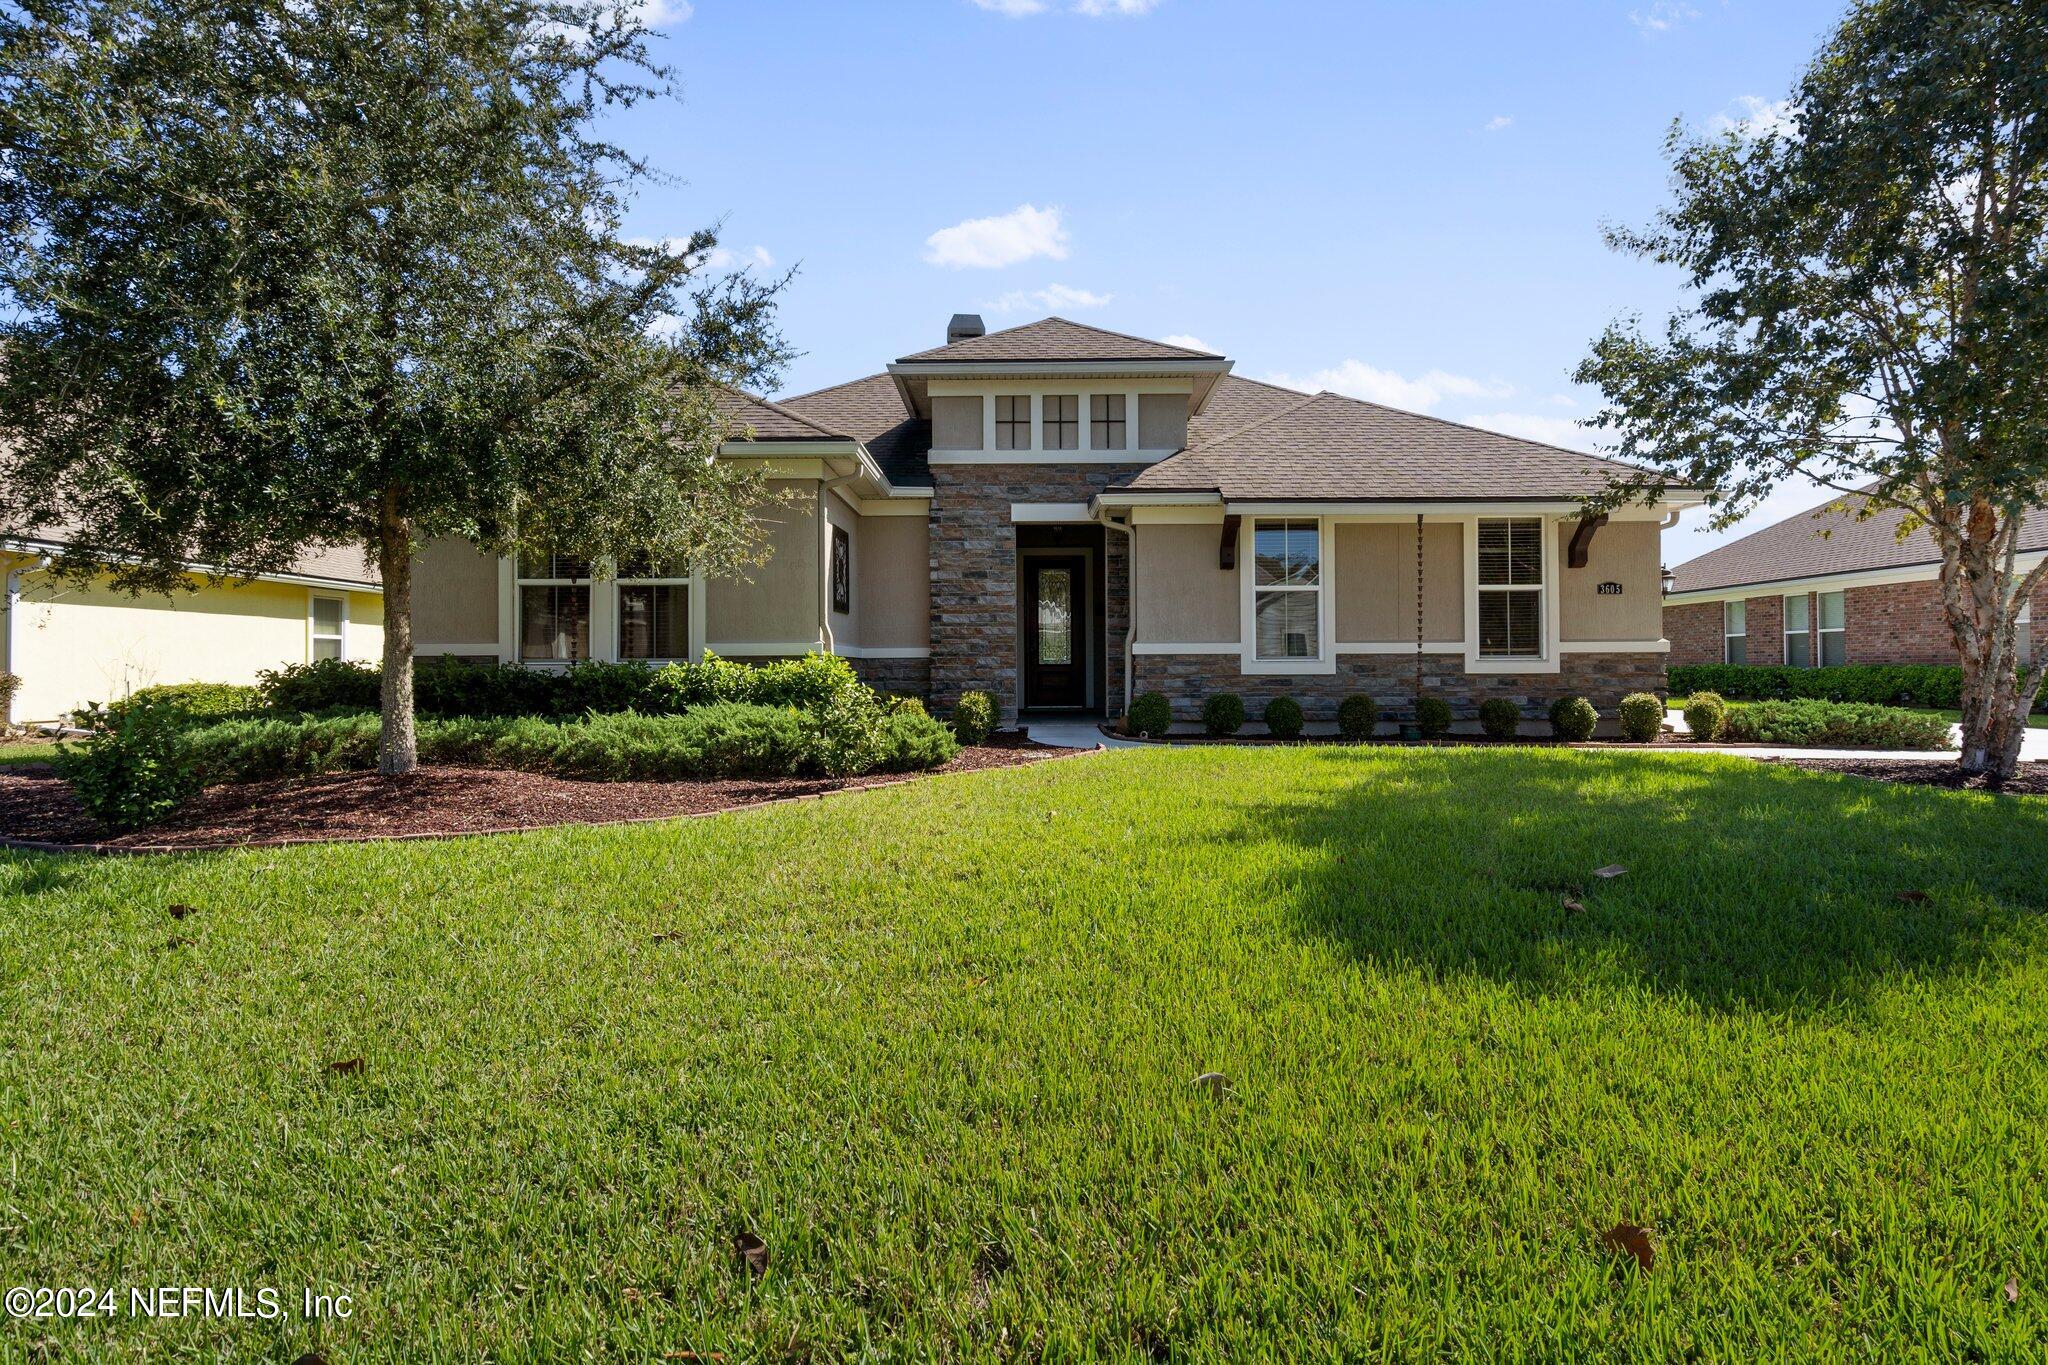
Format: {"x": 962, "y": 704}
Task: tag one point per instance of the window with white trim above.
{"x": 1834, "y": 635}
{"x": 1735, "y": 632}
{"x": 1013, "y": 421}
{"x": 1287, "y": 585}
{"x": 654, "y": 612}
{"x": 1062, "y": 421}
{"x": 1106, "y": 421}
{"x": 553, "y": 593}
{"x": 329, "y": 620}
{"x": 1511, "y": 587}
{"x": 1798, "y": 632}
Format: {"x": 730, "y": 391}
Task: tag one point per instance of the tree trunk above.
{"x": 397, "y": 743}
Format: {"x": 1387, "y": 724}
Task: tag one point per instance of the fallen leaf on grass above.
{"x": 1635, "y": 1241}
{"x": 753, "y": 1253}
{"x": 1610, "y": 871}
{"x": 180, "y": 911}
{"x": 1573, "y": 907}
{"x": 2012, "y": 1290}
{"x": 1914, "y": 897}
{"x": 1218, "y": 1083}
{"x": 348, "y": 1066}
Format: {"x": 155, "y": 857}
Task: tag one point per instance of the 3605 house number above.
{"x": 1610, "y": 589}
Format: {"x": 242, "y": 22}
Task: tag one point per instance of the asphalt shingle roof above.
{"x": 871, "y": 411}
{"x": 1327, "y": 446}
{"x": 770, "y": 421}
{"x": 1831, "y": 539}
{"x": 349, "y": 564}
{"x": 1054, "y": 339}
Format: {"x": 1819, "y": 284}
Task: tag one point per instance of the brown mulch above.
{"x": 2030, "y": 780}
{"x": 36, "y": 807}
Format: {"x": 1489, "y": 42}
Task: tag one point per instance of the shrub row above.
{"x": 138, "y": 765}
{"x": 1571, "y": 718}
{"x": 196, "y": 698}
{"x": 1832, "y": 724}
{"x": 1939, "y": 686}
{"x": 450, "y": 687}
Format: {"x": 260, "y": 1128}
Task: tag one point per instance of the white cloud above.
{"x": 1022, "y": 234}
{"x": 1420, "y": 394}
{"x": 1662, "y": 16}
{"x": 1114, "y": 9}
{"x": 1759, "y": 118}
{"x": 1498, "y": 122}
{"x": 1052, "y": 298}
{"x": 718, "y": 258}
{"x": 1011, "y": 9}
{"x": 1562, "y": 400}
{"x": 655, "y": 13}
{"x": 1188, "y": 343}
{"x": 1531, "y": 426}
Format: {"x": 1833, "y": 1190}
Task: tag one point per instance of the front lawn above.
{"x": 16, "y": 752}
{"x": 936, "y": 1045}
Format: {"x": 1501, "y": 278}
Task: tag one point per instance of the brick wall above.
{"x": 1187, "y": 680}
{"x": 974, "y": 574}
{"x": 1897, "y": 623}
{"x": 1765, "y": 621}
{"x": 1694, "y": 631}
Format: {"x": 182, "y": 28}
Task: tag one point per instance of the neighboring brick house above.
{"x": 1828, "y": 586}
{"x": 1066, "y": 516}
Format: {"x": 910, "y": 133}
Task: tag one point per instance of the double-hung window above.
{"x": 654, "y": 611}
{"x": 554, "y": 608}
{"x": 329, "y": 619}
{"x": 1287, "y": 589}
{"x": 1798, "y": 632}
{"x": 1013, "y": 421}
{"x": 1734, "y": 632}
{"x": 1062, "y": 421}
{"x": 1511, "y": 588}
{"x": 1106, "y": 421}
{"x": 1834, "y": 636}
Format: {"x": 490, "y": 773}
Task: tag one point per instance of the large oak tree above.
{"x": 1869, "y": 308}
{"x": 281, "y": 275}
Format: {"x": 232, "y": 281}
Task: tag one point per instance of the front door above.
{"x": 1055, "y": 637}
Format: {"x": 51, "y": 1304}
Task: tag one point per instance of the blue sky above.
{"x": 1400, "y": 201}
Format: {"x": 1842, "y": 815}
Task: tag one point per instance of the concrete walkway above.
{"x": 1075, "y": 734}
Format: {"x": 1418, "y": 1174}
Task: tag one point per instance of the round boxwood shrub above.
{"x": 1705, "y": 714}
{"x": 1151, "y": 715}
{"x": 1433, "y": 717}
{"x": 1500, "y": 718}
{"x": 1283, "y": 718}
{"x": 1573, "y": 718}
{"x": 1356, "y": 715}
{"x": 1642, "y": 716}
{"x": 1223, "y": 714}
{"x": 974, "y": 717}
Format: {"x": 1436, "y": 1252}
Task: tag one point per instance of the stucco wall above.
{"x": 777, "y": 601}
{"x": 454, "y": 594}
{"x": 1624, "y": 552}
{"x": 1162, "y": 421}
{"x": 847, "y": 626}
{"x": 75, "y": 645}
{"x": 956, "y": 422}
{"x": 1375, "y": 582}
{"x": 893, "y": 582}
{"x": 1178, "y": 595}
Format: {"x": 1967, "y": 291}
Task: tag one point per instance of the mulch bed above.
{"x": 38, "y": 809}
{"x": 2030, "y": 780}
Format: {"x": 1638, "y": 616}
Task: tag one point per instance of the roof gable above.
{"x": 871, "y": 411}
{"x": 1056, "y": 340}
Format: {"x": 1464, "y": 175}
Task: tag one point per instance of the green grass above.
{"x": 31, "y": 752}
{"x": 935, "y": 1043}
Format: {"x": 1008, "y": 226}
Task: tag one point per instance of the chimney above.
{"x": 963, "y": 326}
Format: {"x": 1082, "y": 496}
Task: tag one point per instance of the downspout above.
{"x": 825, "y": 491}
{"x": 1130, "y": 617}
{"x": 7, "y": 641}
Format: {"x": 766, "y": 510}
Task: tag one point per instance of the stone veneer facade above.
{"x": 974, "y": 575}
{"x": 898, "y": 677}
{"x": 1187, "y": 680}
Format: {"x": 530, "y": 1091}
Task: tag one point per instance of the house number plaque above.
{"x": 1610, "y": 589}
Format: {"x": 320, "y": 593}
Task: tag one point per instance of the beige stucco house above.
{"x": 72, "y": 644}
{"x": 1067, "y": 516}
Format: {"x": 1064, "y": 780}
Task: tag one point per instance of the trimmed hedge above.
{"x": 974, "y": 716}
{"x": 1356, "y": 716}
{"x": 1938, "y": 686}
{"x": 1832, "y": 724}
{"x": 1283, "y": 718}
{"x": 1223, "y": 714}
{"x": 197, "y": 698}
{"x": 1642, "y": 717}
{"x": 1433, "y": 717}
{"x": 450, "y": 687}
{"x": 1500, "y": 718}
{"x": 1572, "y": 719}
{"x": 1706, "y": 715}
{"x": 1151, "y": 714}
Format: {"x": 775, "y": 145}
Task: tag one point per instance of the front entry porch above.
{"x": 1062, "y": 644}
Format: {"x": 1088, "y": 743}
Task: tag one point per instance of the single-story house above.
{"x": 1828, "y": 586}
{"x": 1067, "y": 516}
{"x": 72, "y": 644}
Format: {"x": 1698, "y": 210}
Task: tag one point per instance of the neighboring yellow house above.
{"x": 71, "y": 645}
